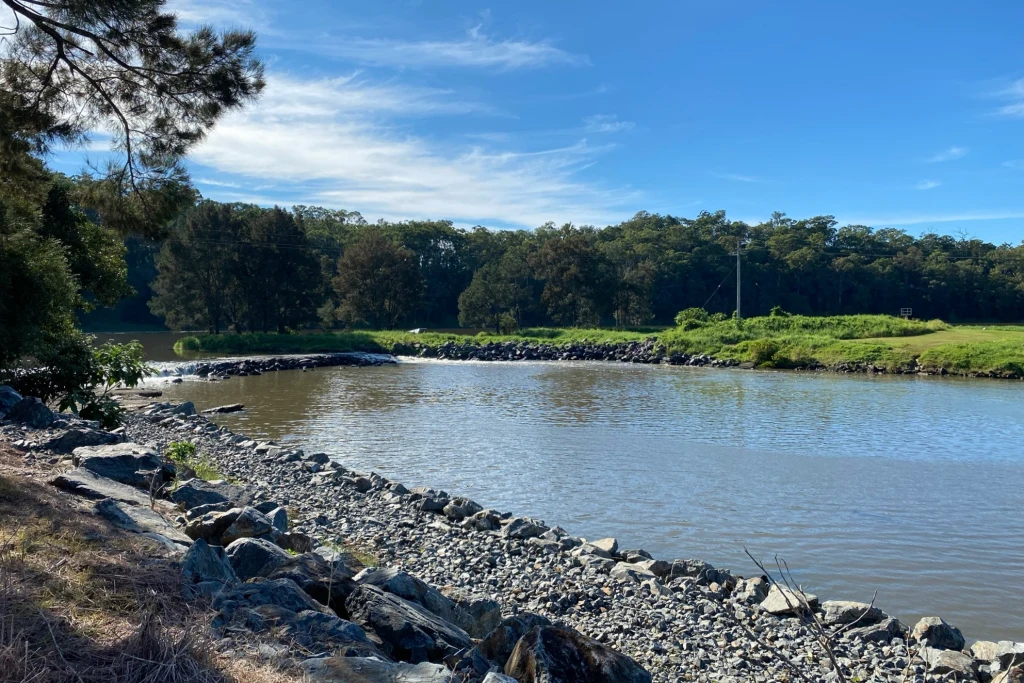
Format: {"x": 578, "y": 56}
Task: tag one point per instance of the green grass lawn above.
{"x": 782, "y": 342}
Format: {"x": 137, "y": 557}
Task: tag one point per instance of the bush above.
{"x": 763, "y": 351}
{"x": 777, "y": 312}
{"x": 687, "y": 317}
{"x": 185, "y": 453}
{"x": 187, "y": 344}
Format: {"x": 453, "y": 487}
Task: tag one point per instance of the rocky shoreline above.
{"x": 507, "y": 584}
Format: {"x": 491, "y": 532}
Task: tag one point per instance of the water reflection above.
{"x": 902, "y": 485}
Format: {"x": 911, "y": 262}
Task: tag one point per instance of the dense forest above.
{"x": 242, "y": 267}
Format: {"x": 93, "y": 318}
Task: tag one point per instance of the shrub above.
{"x": 185, "y": 453}
{"x": 687, "y": 317}
{"x": 777, "y": 312}
{"x": 763, "y": 351}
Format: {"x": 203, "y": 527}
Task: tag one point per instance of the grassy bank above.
{"x": 782, "y": 342}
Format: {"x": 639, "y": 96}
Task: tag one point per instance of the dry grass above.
{"x": 81, "y": 601}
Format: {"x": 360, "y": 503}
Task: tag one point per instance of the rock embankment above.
{"x": 257, "y": 365}
{"x": 456, "y": 591}
{"x": 648, "y": 351}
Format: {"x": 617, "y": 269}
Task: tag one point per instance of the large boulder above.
{"x": 329, "y": 583}
{"x": 77, "y": 438}
{"x": 407, "y": 631}
{"x": 608, "y": 545}
{"x": 84, "y": 483}
{"x": 883, "y": 632}
{"x": 128, "y": 463}
{"x": 207, "y": 568}
{"x": 408, "y": 587}
{"x": 372, "y": 670}
{"x": 842, "y": 612}
{"x": 701, "y": 572}
{"x": 631, "y": 573}
{"x": 497, "y": 646}
{"x": 548, "y": 654}
{"x": 783, "y": 601}
{"x": 751, "y": 591}
{"x": 523, "y": 528}
{"x": 142, "y": 520}
{"x": 942, "y": 662}
{"x": 253, "y": 557}
{"x": 258, "y": 603}
{"x": 32, "y": 412}
{"x": 474, "y": 613}
{"x": 936, "y": 633}
{"x": 1004, "y": 652}
{"x": 195, "y": 492}
{"x": 211, "y": 526}
{"x": 316, "y": 630}
{"x": 458, "y": 509}
{"x": 8, "y": 398}
{"x": 250, "y": 523}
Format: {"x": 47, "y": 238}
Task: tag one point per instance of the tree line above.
{"x": 246, "y": 268}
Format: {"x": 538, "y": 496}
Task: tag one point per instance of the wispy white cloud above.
{"x": 606, "y": 123}
{"x": 918, "y": 219}
{"x": 1013, "y": 96}
{"x": 307, "y": 150}
{"x": 736, "y": 177}
{"x": 951, "y": 154}
{"x": 215, "y": 183}
{"x": 927, "y": 185}
{"x": 1014, "y": 163}
{"x": 219, "y": 12}
{"x": 475, "y": 50}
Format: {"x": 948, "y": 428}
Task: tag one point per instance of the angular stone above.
{"x": 840, "y": 612}
{"x": 659, "y": 568}
{"x": 475, "y": 614}
{"x": 260, "y": 604}
{"x": 625, "y": 571}
{"x": 937, "y": 634}
{"x": 408, "y": 587}
{"x": 122, "y": 462}
{"x": 250, "y": 523}
{"x": 32, "y": 412}
{"x": 408, "y": 631}
{"x": 253, "y": 557}
{"x": 459, "y": 508}
{"x": 8, "y": 398}
{"x": 212, "y": 525}
{"x": 316, "y": 630}
{"x": 90, "y": 485}
{"x": 608, "y": 545}
{"x": 751, "y": 590}
{"x": 195, "y": 492}
{"x": 328, "y": 583}
{"x": 140, "y": 520}
{"x": 485, "y": 520}
{"x": 883, "y": 632}
{"x": 77, "y": 438}
{"x": 553, "y": 655}
{"x": 496, "y": 647}
{"x": 279, "y": 519}
{"x": 783, "y": 601}
{"x": 204, "y": 563}
{"x": 523, "y": 528}
{"x": 372, "y": 670}
{"x": 949, "y": 662}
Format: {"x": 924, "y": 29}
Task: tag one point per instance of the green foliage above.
{"x": 185, "y": 453}
{"x": 777, "y": 312}
{"x": 378, "y": 282}
{"x": 112, "y": 366}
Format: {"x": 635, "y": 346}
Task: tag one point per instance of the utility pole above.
{"x": 738, "y": 283}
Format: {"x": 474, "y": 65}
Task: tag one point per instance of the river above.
{"x": 910, "y": 487}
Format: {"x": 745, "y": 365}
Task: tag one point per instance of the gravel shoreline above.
{"x": 682, "y": 620}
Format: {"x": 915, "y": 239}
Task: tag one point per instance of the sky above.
{"x": 510, "y": 114}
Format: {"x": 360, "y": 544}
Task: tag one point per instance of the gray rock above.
{"x": 883, "y": 632}
{"x": 751, "y": 591}
{"x": 475, "y": 614}
{"x": 523, "y": 528}
{"x": 196, "y": 492}
{"x": 250, "y": 523}
{"x": 782, "y": 601}
{"x": 295, "y": 541}
{"x": 252, "y": 557}
{"x": 204, "y": 563}
{"x": 140, "y": 520}
{"x": 1005, "y": 652}
{"x": 185, "y": 409}
{"x": 316, "y": 631}
{"x": 319, "y": 458}
{"x": 938, "y": 634}
{"x": 548, "y": 654}
{"x": 211, "y": 525}
{"x": 701, "y": 572}
{"x": 485, "y": 520}
{"x": 840, "y": 612}
{"x": 659, "y": 568}
{"x": 608, "y": 545}
{"x": 77, "y": 438}
{"x": 493, "y": 677}
{"x": 8, "y": 398}
{"x": 597, "y": 563}
{"x": 90, "y": 485}
{"x": 372, "y": 670}
{"x": 279, "y": 519}
{"x": 259, "y": 604}
{"x": 32, "y": 412}
{"x": 408, "y": 587}
{"x": 328, "y": 583}
{"x": 459, "y": 508}
{"x": 625, "y": 571}
{"x": 497, "y": 646}
{"x": 949, "y": 662}
{"x": 230, "y": 408}
{"x": 408, "y": 631}
{"x": 123, "y": 462}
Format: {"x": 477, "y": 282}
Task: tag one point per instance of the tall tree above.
{"x": 378, "y": 282}
{"x": 573, "y": 270}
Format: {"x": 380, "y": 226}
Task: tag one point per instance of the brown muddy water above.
{"x": 910, "y": 487}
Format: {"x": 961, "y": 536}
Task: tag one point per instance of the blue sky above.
{"x": 906, "y": 114}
